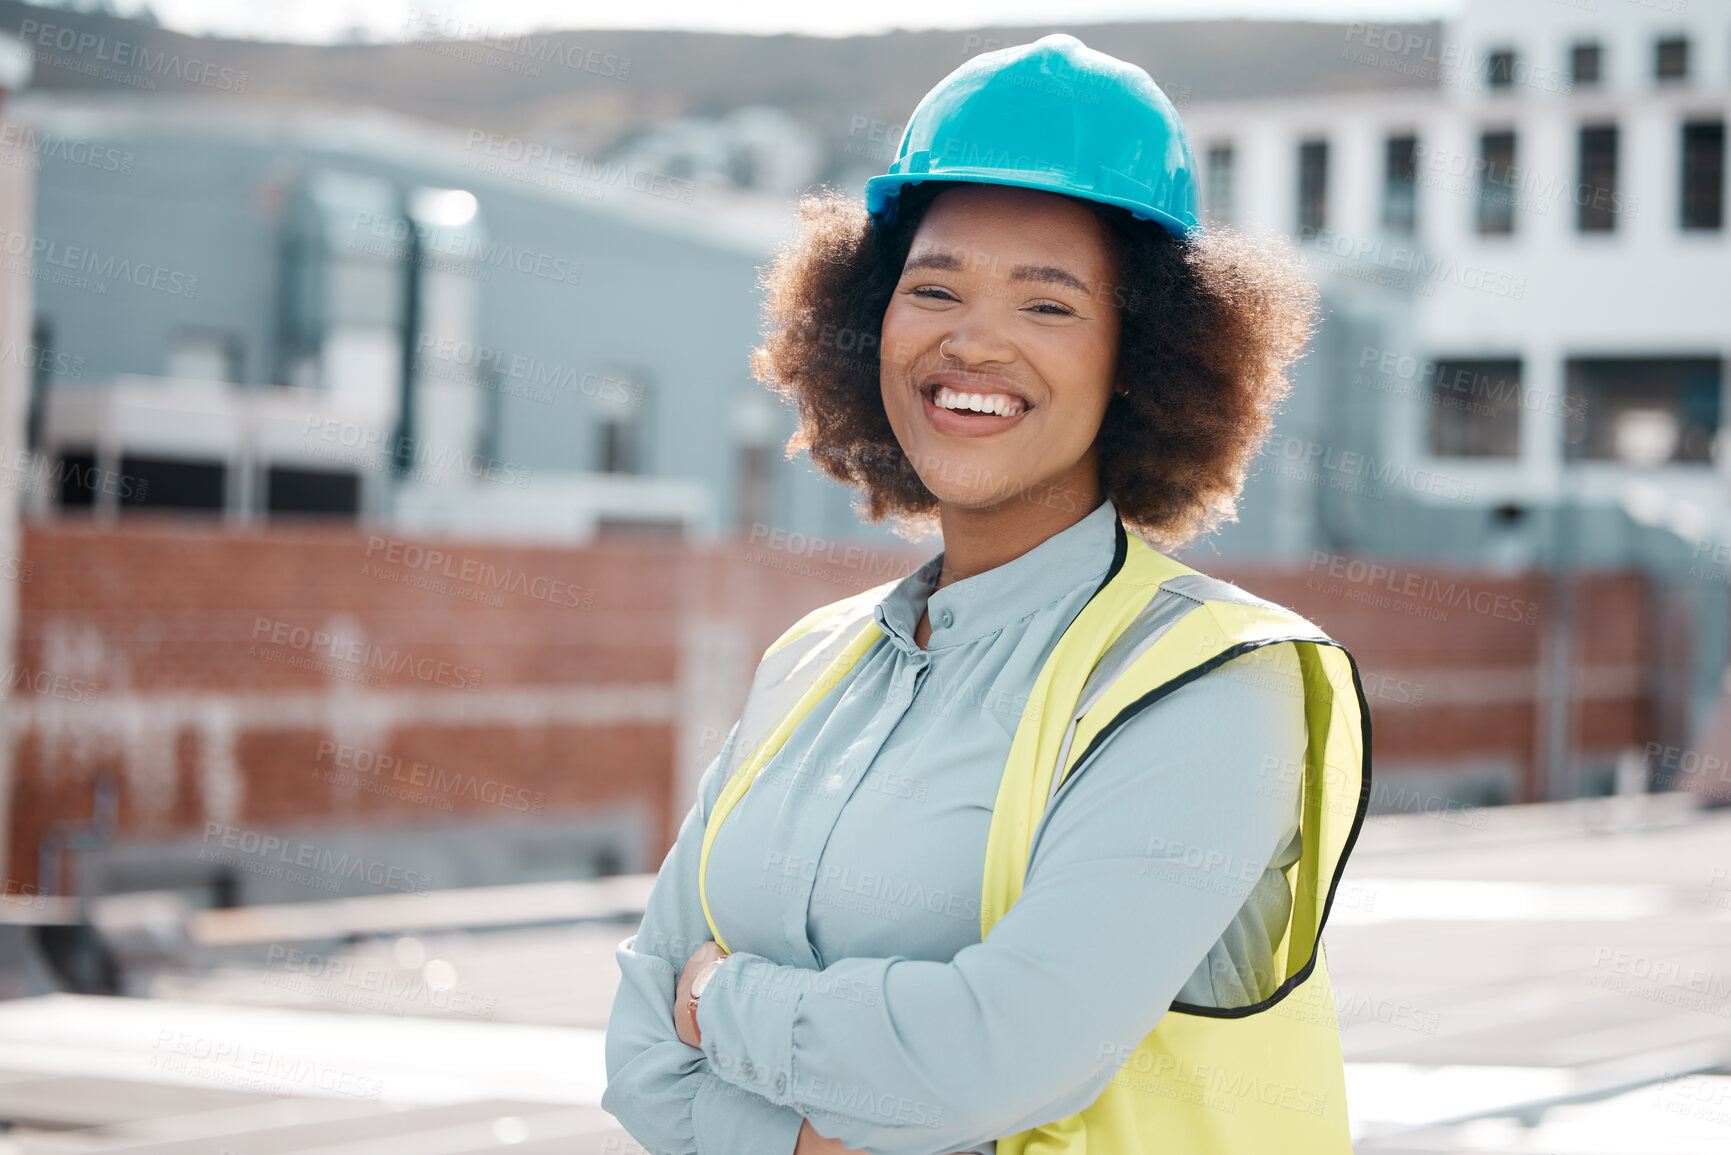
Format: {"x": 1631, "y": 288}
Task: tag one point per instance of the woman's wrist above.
{"x": 702, "y": 962}
{"x": 698, "y": 985}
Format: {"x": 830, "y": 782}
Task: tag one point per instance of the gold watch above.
{"x": 697, "y": 985}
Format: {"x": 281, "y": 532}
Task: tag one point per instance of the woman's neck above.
{"x": 978, "y": 539}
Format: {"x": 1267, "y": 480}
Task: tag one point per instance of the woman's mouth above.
{"x": 971, "y": 413}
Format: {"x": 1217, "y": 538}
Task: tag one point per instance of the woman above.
{"x": 900, "y": 918}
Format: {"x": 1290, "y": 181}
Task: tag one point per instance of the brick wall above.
{"x": 1455, "y": 661}
{"x": 268, "y": 680}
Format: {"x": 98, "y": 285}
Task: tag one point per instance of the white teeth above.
{"x": 1000, "y": 403}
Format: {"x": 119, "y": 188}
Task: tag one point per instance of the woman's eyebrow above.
{"x": 1050, "y": 273}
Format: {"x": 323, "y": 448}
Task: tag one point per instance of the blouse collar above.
{"x": 967, "y": 610}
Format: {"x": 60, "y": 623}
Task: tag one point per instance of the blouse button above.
{"x": 781, "y": 1082}
{"x": 945, "y": 618}
{"x": 745, "y": 1069}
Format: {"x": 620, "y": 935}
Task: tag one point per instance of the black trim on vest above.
{"x": 1120, "y": 551}
{"x": 1363, "y": 807}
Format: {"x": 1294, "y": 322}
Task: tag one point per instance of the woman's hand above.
{"x": 811, "y": 1143}
{"x": 706, "y": 957}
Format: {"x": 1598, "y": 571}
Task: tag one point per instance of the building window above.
{"x": 1585, "y": 63}
{"x": 1704, "y": 174}
{"x": 1312, "y": 188}
{"x": 1399, "y": 184}
{"x": 1219, "y": 183}
{"x": 616, "y": 406}
{"x": 203, "y": 355}
{"x": 618, "y": 447}
{"x": 312, "y": 491}
{"x": 171, "y": 483}
{"x": 1500, "y": 68}
{"x": 1643, "y": 410}
{"x": 140, "y": 482}
{"x": 755, "y": 480}
{"x": 1496, "y": 202}
{"x": 1596, "y": 179}
{"x": 1671, "y": 59}
{"x": 42, "y": 337}
{"x": 1476, "y": 408}
{"x": 77, "y": 482}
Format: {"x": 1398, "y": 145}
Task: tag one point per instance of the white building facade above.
{"x": 1526, "y": 264}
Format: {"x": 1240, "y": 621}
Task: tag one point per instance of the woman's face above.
{"x": 1017, "y": 286}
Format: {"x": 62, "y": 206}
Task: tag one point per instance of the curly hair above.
{"x": 1209, "y": 324}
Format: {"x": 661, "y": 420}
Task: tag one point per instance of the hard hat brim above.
{"x": 881, "y": 193}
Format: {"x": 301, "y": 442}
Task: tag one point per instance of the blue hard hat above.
{"x": 1054, "y": 115}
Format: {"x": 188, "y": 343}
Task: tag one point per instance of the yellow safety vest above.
{"x": 1248, "y": 1080}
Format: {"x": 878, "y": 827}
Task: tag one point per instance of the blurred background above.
{"x": 390, "y": 524}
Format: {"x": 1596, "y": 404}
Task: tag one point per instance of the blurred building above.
{"x": 321, "y": 312}
{"x": 1534, "y": 250}
{"x": 1526, "y": 282}
{"x": 257, "y": 315}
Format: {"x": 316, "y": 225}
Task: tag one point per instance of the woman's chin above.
{"x": 973, "y": 500}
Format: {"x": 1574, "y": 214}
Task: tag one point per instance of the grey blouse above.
{"x": 847, "y": 883}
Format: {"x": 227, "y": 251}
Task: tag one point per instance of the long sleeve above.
{"x": 661, "y": 1089}
{"x": 1144, "y": 862}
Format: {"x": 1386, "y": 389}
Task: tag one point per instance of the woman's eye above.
{"x": 932, "y": 292}
{"x": 1055, "y": 310}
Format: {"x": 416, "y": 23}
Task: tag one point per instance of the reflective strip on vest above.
{"x": 1205, "y": 1080}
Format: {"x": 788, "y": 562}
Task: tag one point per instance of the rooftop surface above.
{"x": 1550, "y": 978}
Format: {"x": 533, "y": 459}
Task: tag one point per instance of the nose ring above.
{"x": 941, "y": 344}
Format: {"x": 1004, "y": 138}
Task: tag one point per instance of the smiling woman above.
{"x": 1089, "y": 917}
{"x": 1183, "y": 343}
